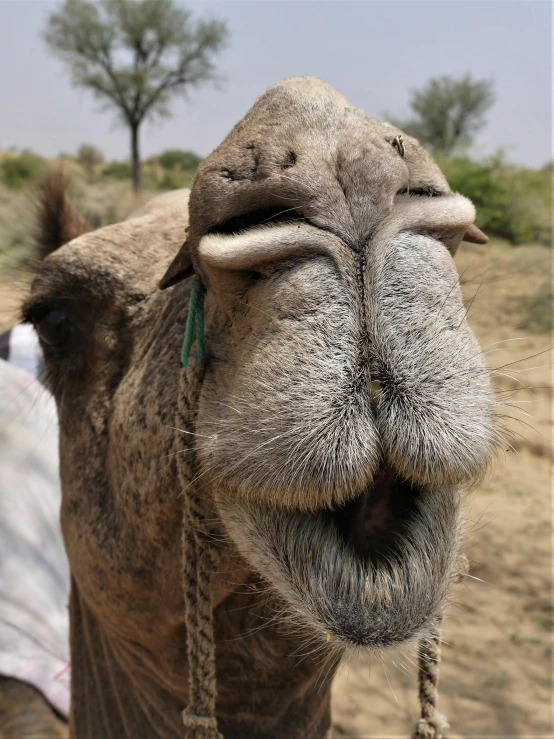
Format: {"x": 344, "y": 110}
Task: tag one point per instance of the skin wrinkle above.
{"x": 261, "y": 448}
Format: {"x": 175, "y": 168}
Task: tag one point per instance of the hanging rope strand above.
{"x": 199, "y": 716}
{"x": 432, "y": 724}
{"x": 198, "y": 555}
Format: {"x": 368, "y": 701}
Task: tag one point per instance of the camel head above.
{"x": 337, "y": 405}
{"x": 345, "y": 397}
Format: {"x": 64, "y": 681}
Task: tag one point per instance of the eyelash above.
{"x": 33, "y": 313}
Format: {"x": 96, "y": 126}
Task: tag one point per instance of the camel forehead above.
{"x": 132, "y": 254}
{"x": 304, "y": 146}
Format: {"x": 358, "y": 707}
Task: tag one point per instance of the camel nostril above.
{"x": 290, "y": 161}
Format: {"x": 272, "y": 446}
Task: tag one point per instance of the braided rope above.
{"x": 199, "y": 556}
{"x": 198, "y": 560}
{"x": 432, "y": 724}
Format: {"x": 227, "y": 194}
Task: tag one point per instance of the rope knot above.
{"x": 431, "y": 728}
{"x": 200, "y": 727}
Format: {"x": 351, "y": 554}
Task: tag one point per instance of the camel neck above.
{"x": 120, "y": 689}
{"x": 113, "y": 693}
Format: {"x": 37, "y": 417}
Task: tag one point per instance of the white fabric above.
{"x": 34, "y": 573}
{"x": 24, "y": 348}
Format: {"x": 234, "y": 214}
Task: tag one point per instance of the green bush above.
{"x": 179, "y": 160}
{"x": 175, "y": 180}
{"x": 118, "y": 170}
{"x": 89, "y": 157}
{"x": 540, "y": 310}
{"x": 513, "y": 203}
{"x": 177, "y": 170}
{"x": 17, "y": 241}
{"x": 21, "y": 169}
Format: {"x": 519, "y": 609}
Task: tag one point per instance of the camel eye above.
{"x": 54, "y": 328}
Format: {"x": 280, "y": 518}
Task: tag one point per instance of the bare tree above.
{"x": 135, "y": 55}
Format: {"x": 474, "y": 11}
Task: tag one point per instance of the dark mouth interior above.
{"x": 371, "y": 523}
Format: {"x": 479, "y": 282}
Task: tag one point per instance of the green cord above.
{"x": 195, "y": 316}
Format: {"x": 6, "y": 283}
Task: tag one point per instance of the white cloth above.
{"x": 23, "y": 349}
{"x": 34, "y": 573}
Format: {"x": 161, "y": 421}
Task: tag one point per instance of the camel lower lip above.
{"x": 372, "y": 573}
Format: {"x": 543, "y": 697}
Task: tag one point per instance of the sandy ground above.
{"x": 496, "y": 677}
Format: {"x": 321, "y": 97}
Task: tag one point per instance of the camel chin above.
{"x": 373, "y": 572}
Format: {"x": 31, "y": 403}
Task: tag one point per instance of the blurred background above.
{"x": 128, "y": 97}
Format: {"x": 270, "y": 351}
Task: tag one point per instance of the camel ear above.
{"x": 58, "y": 221}
{"x": 179, "y": 269}
{"x": 474, "y": 235}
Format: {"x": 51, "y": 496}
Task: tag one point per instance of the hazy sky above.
{"x": 374, "y": 52}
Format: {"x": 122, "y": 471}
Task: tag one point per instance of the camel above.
{"x": 261, "y": 461}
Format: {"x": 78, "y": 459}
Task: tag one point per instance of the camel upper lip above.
{"x": 371, "y": 573}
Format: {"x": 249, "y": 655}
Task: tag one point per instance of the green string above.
{"x": 195, "y": 317}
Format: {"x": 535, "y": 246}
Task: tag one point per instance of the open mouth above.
{"x": 372, "y": 573}
{"x": 373, "y": 523}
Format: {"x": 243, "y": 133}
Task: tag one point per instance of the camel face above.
{"x": 346, "y": 399}
{"x": 343, "y": 399}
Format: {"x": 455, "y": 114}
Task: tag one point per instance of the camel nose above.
{"x": 231, "y": 262}
{"x": 427, "y": 379}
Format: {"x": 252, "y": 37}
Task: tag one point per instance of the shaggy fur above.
{"x": 362, "y": 601}
{"x": 342, "y": 400}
